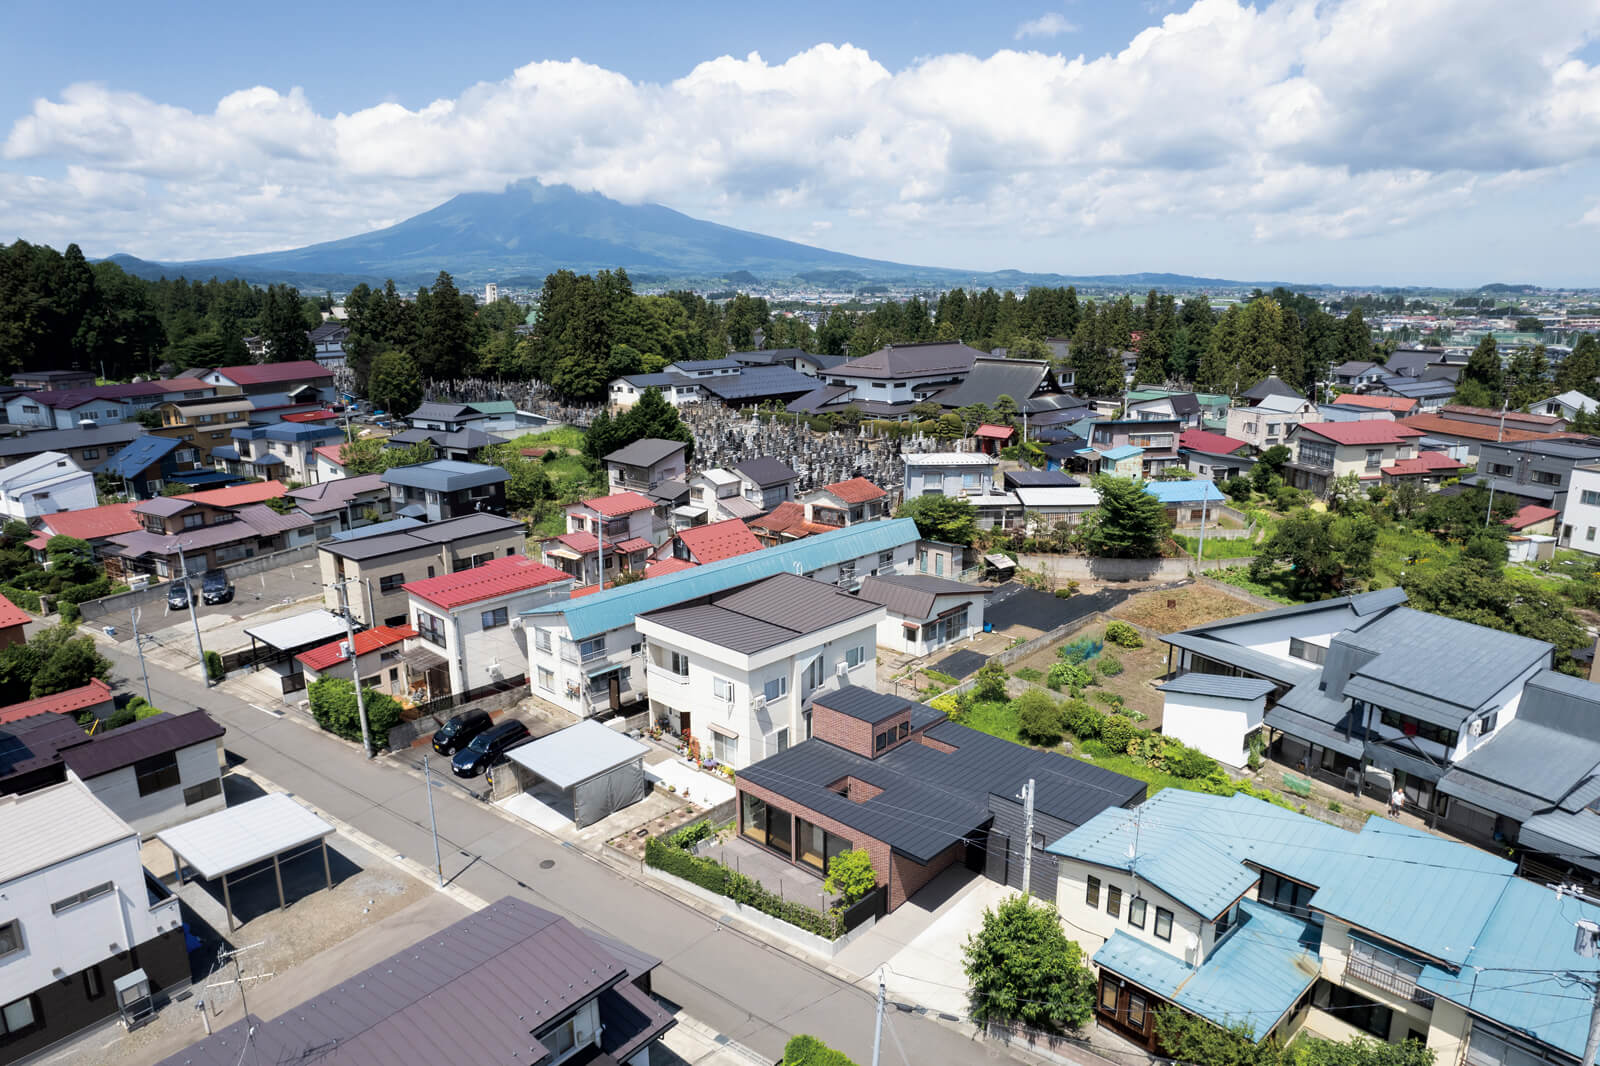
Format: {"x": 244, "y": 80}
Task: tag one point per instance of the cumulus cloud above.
{"x": 1283, "y": 121}
{"x": 1050, "y": 24}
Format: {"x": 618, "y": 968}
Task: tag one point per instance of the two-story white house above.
{"x": 627, "y": 523}
{"x": 739, "y": 669}
{"x": 466, "y": 639}
{"x": 77, "y": 913}
{"x": 963, "y": 474}
{"x": 1268, "y": 421}
{"x": 646, "y": 463}
{"x": 766, "y": 482}
{"x": 1580, "y": 518}
{"x": 44, "y": 484}
{"x": 154, "y": 773}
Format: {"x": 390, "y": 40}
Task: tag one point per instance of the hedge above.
{"x": 333, "y": 705}
{"x": 805, "y": 1050}
{"x": 713, "y": 876}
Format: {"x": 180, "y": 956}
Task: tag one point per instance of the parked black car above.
{"x": 459, "y": 731}
{"x": 486, "y": 748}
{"x": 215, "y": 587}
{"x": 178, "y": 595}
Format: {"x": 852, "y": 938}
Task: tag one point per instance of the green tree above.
{"x": 652, "y": 417}
{"x": 283, "y": 325}
{"x": 990, "y": 683}
{"x": 1038, "y": 718}
{"x": 54, "y": 660}
{"x": 806, "y": 1050}
{"x": 1474, "y": 591}
{"x": 1324, "y": 553}
{"x": 1130, "y": 523}
{"x": 1579, "y": 369}
{"x": 334, "y": 706}
{"x": 1022, "y": 968}
{"x": 1483, "y": 368}
{"x": 394, "y": 384}
{"x": 372, "y": 455}
{"x": 444, "y": 335}
{"x": 1269, "y": 465}
{"x": 850, "y": 875}
{"x": 948, "y": 519}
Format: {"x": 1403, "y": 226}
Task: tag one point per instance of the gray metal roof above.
{"x": 474, "y": 991}
{"x": 445, "y": 475}
{"x": 1233, "y": 688}
{"x": 1287, "y": 671}
{"x": 922, "y": 359}
{"x": 1575, "y": 837}
{"x": 445, "y": 412}
{"x": 1271, "y": 385}
{"x": 747, "y": 620}
{"x": 765, "y": 471}
{"x": 1540, "y": 758}
{"x": 1313, "y": 729}
{"x": 863, "y": 704}
{"x": 424, "y": 536}
{"x": 573, "y": 755}
{"x": 912, "y": 595}
{"x": 138, "y": 740}
{"x": 645, "y": 452}
{"x": 990, "y": 379}
{"x": 44, "y": 827}
{"x": 111, "y": 436}
{"x": 334, "y": 495}
{"x": 246, "y": 833}
{"x": 754, "y": 381}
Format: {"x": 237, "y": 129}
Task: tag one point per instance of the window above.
{"x": 93, "y": 986}
{"x": 592, "y": 647}
{"x": 1353, "y": 1008}
{"x": 938, "y": 565}
{"x": 547, "y": 679}
{"x": 1136, "y": 911}
{"x": 855, "y": 656}
{"x": 1374, "y": 458}
{"x": 1590, "y": 534}
{"x": 1136, "y": 1005}
{"x": 725, "y": 749}
{"x": 202, "y": 792}
{"x": 814, "y": 673}
{"x": 678, "y": 663}
{"x": 1311, "y": 653}
{"x": 156, "y": 773}
{"x": 1113, "y": 901}
{"x": 560, "y": 1038}
{"x": 193, "y": 521}
{"x": 391, "y": 583}
{"x": 91, "y": 453}
{"x": 1222, "y": 925}
{"x": 541, "y": 639}
{"x": 1163, "y": 929}
{"x": 494, "y": 619}
{"x": 722, "y": 688}
{"x": 1091, "y": 896}
{"x": 886, "y": 558}
{"x": 780, "y": 740}
{"x": 17, "y": 1016}
{"x": 1386, "y": 970}
{"x": 905, "y": 730}
{"x": 1316, "y": 453}
{"x": 816, "y": 847}
{"x": 1285, "y": 895}
{"x": 776, "y": 689}
{"x": 10, "y": 938}
{"x": 430, "y": 629}
{"x": 1411, "y": 727}
{"x": 1500, "y": 470}
{"x": 103, "y": 889}
{"x": 1108, "y": 994}
{"x": 1590, "y": 498}
{"x": 922, "y": 556}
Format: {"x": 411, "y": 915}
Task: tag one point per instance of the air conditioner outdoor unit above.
{"x": 758, "y": 704}
{"x": 516, "y": 623}
{"x": 841, "y": 669}
{"x": 1475, "y": 727}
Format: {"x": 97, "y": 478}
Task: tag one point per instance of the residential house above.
{"x": 344, "y": 503}
{"x": 1124, "y": 461}
{"x": 1271, "y": 385}
{"x": 919, "y": 794}
{"x": 1214, "y": 456}
{"x": 752, "y": 386}
{"x": 154, "y": 773}
{"x": 1462, "y": 439}
{"x": 465, "y": 639}
{"x": 285, "y": 450}
{"x": 815, "y": 365}
{"x": 766, "y": 482}
{"x": 445, "y": 488}
{"x": 145, "y": 466}
{"x": 1030, "y": 384}
{"x": 1268, "y": 422}
{"x": 577, "y": 643}
{"x": 1215, "y": 713}
{"x": 1049, "y": 498}
{"x": 207, "y": 425}
{"x": 446, "y": 417}
{"x": 1534, "y": 471}
{"x": 711, "y": 543}
{"x": 95, "y": 697}
{"x": 463, "y": 445}
{"x": 1156, "y": 438}
{"x": 43, "y": 380}
{"x": 210, "y": 529}
{"x": 327, "y": 343}
{"x": 924, "y": 614}
{"x": 46, "y": 483}
{"x": 1428, "y": 470}
{"x": 1580, "y": 516}
{"x": 1393, "y": 406}
{"x": 791, "y": 521}
{"x": 12, "y": 621}
{"x": 1326, "y": 451}
{"x": 328, "y": 462}
{"x": 646, "y": 464}
{"x": 33, "y": 744}
{"x": 303, "y": 382}
{"x": 1193, "y": 503}
{"x": 378, "y": 566}
{"x": 1410, "y": 362}
{"x": 1429, "y": 394}
{"x": 844, "y": 503}
{"x": 1260, "y": 919}
{"x": 378, "y": 654}
{"x": 715, "y": 495}
{"x": 1531, "y": 520}
{"x": 542, "y": 991}
{"x": 1183, "y": 406}
{"x": 79, "y": 915}
{"x": 968, "y": 475}
{"x": 676, "y": 389}
{"x": 1356, "y": 372}
{"x": 739, "y": 668}
{"x": 86, "y": 446}
{"x": 1489, "y": 416}
{"x": 1566, "y": 406}
{"x": 76, "y": 408}
{"x": 626, "y": 521}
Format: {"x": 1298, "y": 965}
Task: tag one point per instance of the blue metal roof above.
{"x": 303, "y": 430}
{"x": 617, "y": 607}
{"x": 1233, "y": 688}
{"x": 1122, "y": 451}
{"x": 445, "y": 475}
{"x": 1192, "y": 491}
{"x": 137, "y": 455}
{"x": 206, "y": 478}
{"x": 267, "y": 460}
{"x": 225, "y": 452}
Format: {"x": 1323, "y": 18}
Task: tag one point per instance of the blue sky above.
{"x": 1295, "y": 140}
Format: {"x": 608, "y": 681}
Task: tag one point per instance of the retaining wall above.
{"x": 766, "y": 922}
{"x": 405, "y": 734}
{"x": 1078, "y": 567}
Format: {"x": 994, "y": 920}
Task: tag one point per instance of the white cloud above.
{"x": 1050, "y": 24}
{"x": 1291, "y": 121}
{"x": 1591, "y": 217}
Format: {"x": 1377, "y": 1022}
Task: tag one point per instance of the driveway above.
{"x": 253, "y": 594}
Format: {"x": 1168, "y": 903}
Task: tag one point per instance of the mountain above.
{"x": 529, "y": 230}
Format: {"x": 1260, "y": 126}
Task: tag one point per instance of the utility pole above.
{"x": 355, "y": 671}
{"x": 135, "y": 614}
{"x": 877, "y": 1030}
{"x": 438, "y": 863}
{"x": 1205, "y": 500}
{"x": 1027, "y": 837}
{"x": 205, "y": 674}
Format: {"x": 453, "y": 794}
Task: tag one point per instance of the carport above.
{"x": 597, "y": 769}
{"x": 287, "y": 636}
{"x": 226, "y": 842}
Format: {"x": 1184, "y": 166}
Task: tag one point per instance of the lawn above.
{"x": 560, "y": 437}
{"x": 995, "y": 718}
{"x": 1218, "y": 547}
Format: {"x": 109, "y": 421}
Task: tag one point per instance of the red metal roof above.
{"x": 71, "y": 701}
{"x": 1215, "y": 443}
{"x": 856, "y": 490}
{"x": 618, "y": 503}
{"x": 1431, "y": 423}
{"x": 310, "y": 416}
{"x": 12, "y": 615}
{"x": 331, "y": 653}
{"x": 1424, "y": 463}
{"x": 790, "y": 517}
{"x": 1377, "y": 403}
{"x": 719, "y": 540}
{"x": 1373, "y": 432}
{"x": 332, "y": 452}
{"x": 666, "y": 566}
{"x": 1512, "y": 417}
{"x": 993, "y": 432}
{"x": 238, "y": 495}
{"x": 268, "y": 373}
{"x": 498, "y": 577}
{"x": 1531, "y": 515}
{"x": 93, "y": 522}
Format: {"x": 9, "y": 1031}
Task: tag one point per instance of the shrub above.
{"x": 991, "y": 682}
{"x": 1110, "y": 665}
{"x": 1038, "y": 718}
{"x": 1186, "y": 762}
{"x": 945, "y": 703}
{"x": 124, "y": 716}
{"x": 851, "y": 875}
{"x": 809, "y": 1051}
{"x": 1068, "y": 675}
{"x": 1063, "y": 594}
{"x": 1022, "y": 967}
{"x": 69, "y": 611}
{"x": 944, "y": 679}
{"x": 1123, "y": 635}
{"x": 715, "y": 877}
{"x": 690, "y": 835}
{"x": 333, "y": 705}
{"x": 1027, "y": 673}
{"x": 1082, "y": 720}
{"x": 214, "y": 668}
{"x": 1117, "y": 733}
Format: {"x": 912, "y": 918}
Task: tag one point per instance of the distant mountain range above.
{"x": 518, "y": 236}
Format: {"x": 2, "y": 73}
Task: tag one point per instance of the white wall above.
{"x": 75, "y": 493}
{"x": 1213, "y": 724}
{"x": 1580, "y": 522}
{"x": 892, "y": 633}
{"x": 1091, "y": 928}
{"x": 480, "y": 656}
{"x": 150, "y": 814}
{"x": 568, "y": 679}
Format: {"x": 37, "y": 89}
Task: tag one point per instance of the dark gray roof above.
{"x": 990, "y": 379}
{"x": 1039, "y": 479}
{"x": 1362, "y": 604}
{"x": 1353, "y": 368}
{"x": 326, "y": 496}
{"x": 766, "y": 471}
{"x": 913, "y": 595}
{"x": 1259, "y": 663}
{"x": 825, "y": 362}
{"x": 445, "y": 475}
{"x": 138, "y": 740}
{"x": 819, "y": 397}
{"x": 1416, "y": 390}
{"x": 1272, "y": 385}
{"x": 445, "y": 412}
{"x": 471, "y": 439}
{"x": 473, "y": 992}
{"x": 1233, "y": 688}
{"x": 1560, "y": 448}
{"x": 434, "y": 533}
{"x": 54, "y": 440}
{"x": 764, "y": 614}
{"x": 35, "y": 741}
{"x": 1409, "y": 362}
{"x": 923, "y": 359}
{"x": 1539, "y": 758}
{"x": 863, "y": 703}
{"x": 759, "y": 381}
{"x": 645, "y": 452}
{"x": 930, "y": 798}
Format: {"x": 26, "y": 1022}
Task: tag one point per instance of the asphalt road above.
{"x": 751, "y": 992}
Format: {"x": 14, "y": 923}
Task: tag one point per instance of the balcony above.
{"x": 656, "y": 673}
{"x": 1388, "y": 980}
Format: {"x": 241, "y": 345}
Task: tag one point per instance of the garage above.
{"x": 587, "y": 771}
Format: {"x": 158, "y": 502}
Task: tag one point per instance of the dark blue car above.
{"x": 486, "y": 748}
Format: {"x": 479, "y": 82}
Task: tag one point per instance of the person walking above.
{"x": 1397, "y": 801}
